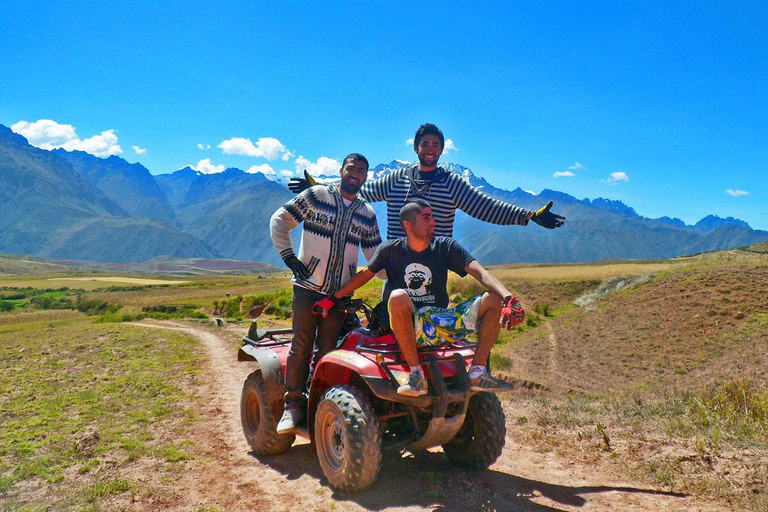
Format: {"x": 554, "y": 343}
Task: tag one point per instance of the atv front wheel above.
{"x": 347, "y": 439}
{"x": 259, "y": 425}
{"x": 481, "y": 439}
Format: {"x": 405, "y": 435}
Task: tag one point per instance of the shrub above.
{"x": 532, "y": 320}
{"x": 95, "y": 306}
{"x": 738, "y": 408}
{"x": 165, "y": 311}
{"x": 50, "y": 302}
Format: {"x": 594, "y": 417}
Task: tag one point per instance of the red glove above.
{"x": 512, "y": 312}
{"x": 323, "y": 307}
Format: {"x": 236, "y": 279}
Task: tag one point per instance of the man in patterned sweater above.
{"x": 337, "y": 224}
{"x": 444, "y": 190}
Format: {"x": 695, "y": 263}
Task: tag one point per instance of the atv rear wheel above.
{"x": 259, "y": 425}
{"x": 481, "y": 439}
{"x": 347, "y": 439}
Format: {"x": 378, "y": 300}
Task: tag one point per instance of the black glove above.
{"x": 547, "y": 219}
{"x": 297, "y": 185}
{"x": 299, "y": 269}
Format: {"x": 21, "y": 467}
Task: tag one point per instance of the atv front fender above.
{"x": 271, "y": 372}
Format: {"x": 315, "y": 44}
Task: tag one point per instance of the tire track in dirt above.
{"x": 225, "y": 475}
{"x": 554, "y": 355}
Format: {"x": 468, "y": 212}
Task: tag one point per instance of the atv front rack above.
{"x": 439, "y": 401}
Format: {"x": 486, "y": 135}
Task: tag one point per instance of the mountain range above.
{"x": 73, "y": 205}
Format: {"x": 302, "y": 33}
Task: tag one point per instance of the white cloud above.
{"x": 324, "y": 165}
{"x": 203, "y": 146}
{"x": 266, "y": 147}
{"x": 409, "y": 142}
{"x": 576, "y": 167}
{"x": 736, "y": 193}
{"x": 138, "y": 150}
{"x": 45, "y": 133}
{"x": 617, "y": 177}
{"x": 99, "y": 145}
{"x": 206, "y": 167}
{"x": 264, "y": 169}
{"x": 48, "y": 134}
{"x": 286, "y": 173}
{"x": 563, "y": 174}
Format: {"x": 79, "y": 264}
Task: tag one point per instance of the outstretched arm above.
{"x": 476, "y": 270}
{"x": 475, "y": 203}
{"x": 371, "y": 191}
{"x": 353, "y": 284}
{"x": 298, "y": 185}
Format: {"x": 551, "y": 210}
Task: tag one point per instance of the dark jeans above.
{"x": 309, "y": 331}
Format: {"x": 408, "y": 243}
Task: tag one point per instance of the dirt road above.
{"x": 227, "y": 476}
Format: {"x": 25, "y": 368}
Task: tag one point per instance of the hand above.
{"x": 323, "y": 307}
{"x": 547, "y": 219}
{"x": 297, "y": 185}
{"x": 299, "y": 269}
{"x": 512, "y": 313}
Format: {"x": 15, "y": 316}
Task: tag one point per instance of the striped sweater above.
{"x": 332, "y": 236}
{"x": 446, "y": 192}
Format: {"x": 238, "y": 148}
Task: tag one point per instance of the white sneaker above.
{"x": 416, "y": 386}
{"x": 489, "y": 383}
{"x": 289, "y": 421}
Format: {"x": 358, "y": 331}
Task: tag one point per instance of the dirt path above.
{"x": 226, "y": 475}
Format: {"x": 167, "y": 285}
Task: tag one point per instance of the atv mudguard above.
{"x": 272, "y": 373}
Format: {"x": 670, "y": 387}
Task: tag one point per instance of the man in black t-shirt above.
{"x": 416, "y": 296}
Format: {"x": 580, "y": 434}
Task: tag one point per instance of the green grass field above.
{"x": 80, "y": 400}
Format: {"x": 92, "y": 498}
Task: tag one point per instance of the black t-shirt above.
{"x": 424, "y": 275}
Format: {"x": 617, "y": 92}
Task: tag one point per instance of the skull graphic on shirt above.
{"x": 417, "y": 278}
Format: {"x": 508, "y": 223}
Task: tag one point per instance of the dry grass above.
{"x": 663, "y": 378}
{"x": 116, "y": 281}
{"x": 581, "y": 271}
{"x": 30, "y": 317}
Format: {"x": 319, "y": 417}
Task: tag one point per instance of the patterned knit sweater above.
{"x": 332, "y": 236}
{"x": 445, "y": 191}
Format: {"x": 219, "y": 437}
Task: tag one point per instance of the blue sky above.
{"x": 661, "y": 105}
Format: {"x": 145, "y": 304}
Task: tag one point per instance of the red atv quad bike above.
{"x": 354, "y": 411}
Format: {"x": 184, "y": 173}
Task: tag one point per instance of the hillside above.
{"x": 229, "y": 211}
{"x": 48, "y": 208}
{"x": 684, "y": 330}
{"x": 129, "y": 185}
{"x": 69, "y": 205}
{"x": 13, "y": 264}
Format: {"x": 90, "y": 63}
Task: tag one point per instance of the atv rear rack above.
{"x": 266, "y": 338}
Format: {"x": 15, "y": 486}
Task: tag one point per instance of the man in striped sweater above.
{"x": 444, "y": 190}
{"x": 337, "y": 224}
